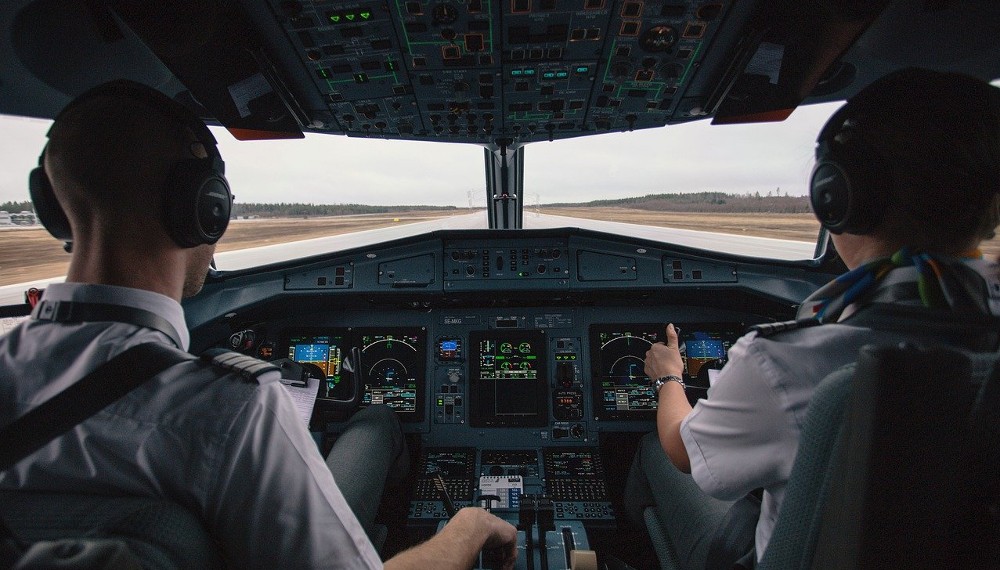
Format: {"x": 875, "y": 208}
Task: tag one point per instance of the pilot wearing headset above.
{"x": 135, "y": 182}
{"x": 907, "y": 180}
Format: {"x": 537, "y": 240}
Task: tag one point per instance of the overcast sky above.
{"x": 335, "y": 169}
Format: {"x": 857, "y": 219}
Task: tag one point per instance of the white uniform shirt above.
{"x": 745, "y": 435}
{"x": 236, "y": 453}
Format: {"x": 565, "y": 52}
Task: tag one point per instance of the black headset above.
{"x": 850, "y": 182}
{"x": 197, "y": 201}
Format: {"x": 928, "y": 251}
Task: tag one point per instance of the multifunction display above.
{"x": 508, "y": 380}
{"x": 394, "y": 364}
{"x": 621, "y": 387}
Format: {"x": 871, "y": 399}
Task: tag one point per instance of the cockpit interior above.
{"x": 513, "y": 356}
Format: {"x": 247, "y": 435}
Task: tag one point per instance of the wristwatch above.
{"x": 659, "y": 382}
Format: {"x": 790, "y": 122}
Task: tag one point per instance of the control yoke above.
{"x": 356, "y": 378}
{"x": 298, "y": 374}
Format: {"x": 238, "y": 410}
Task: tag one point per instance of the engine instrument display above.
{"x": 508, "y": 378}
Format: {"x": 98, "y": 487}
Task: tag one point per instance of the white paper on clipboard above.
{"x": 304, "y": 397}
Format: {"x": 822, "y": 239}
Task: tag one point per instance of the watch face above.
{"x": 657, "y": 384}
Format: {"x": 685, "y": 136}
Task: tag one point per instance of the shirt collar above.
{"x": 156, "y": 303}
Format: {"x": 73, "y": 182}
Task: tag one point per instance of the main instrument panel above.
{"x": 511, "y": 360}
{"x": 491, "y": 371}
{"x": 509, "y": 403}
{"x": 545, "y": 311}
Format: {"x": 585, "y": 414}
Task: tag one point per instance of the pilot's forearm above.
{"x": 672, "y": 408}
{"x": 458, "y": 544}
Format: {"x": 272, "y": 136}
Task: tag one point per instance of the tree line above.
{"x": 295, "y": 210}
{"x": 282, "y": 210}
{"x": 772, "y": 202}
{"x": 16, "y": 207}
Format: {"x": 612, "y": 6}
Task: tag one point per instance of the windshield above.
{"x": 734, "y": 189}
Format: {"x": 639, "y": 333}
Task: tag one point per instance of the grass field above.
{"x": 28, "y": 254}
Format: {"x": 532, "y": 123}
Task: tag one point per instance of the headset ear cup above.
{"x": 197, "y": 204}
{"x": 845, "y": 190}
{"x": 47, "y": 207}
{"x": 830, "y": 195}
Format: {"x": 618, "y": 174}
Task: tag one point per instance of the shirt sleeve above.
{"x": 738, "y": 437}
{"x": 274, "y": 502}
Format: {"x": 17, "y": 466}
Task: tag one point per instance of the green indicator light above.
{"x": 500, "y": 357}
{"x": 516, "y": 72}
{"x": 334, "y": 18}
{"x": 440, "y": 402}
{"x": 582, "y": 69}
{"x": 529, "y": 71}
{"x": 562, "y": 74}
{"x": 530, "y": 357}
{"x": 350, "y": 17}
{"x": 366, "y": 15}
{"x": 549, "y": 74}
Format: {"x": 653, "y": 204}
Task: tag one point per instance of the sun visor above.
{"x": 793, "y": 60}
{"x": 211, "y": 51}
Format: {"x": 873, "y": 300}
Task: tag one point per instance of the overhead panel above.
{"x": 514, "y": 71}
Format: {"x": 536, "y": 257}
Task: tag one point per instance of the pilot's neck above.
{"x": 160, "y": 270}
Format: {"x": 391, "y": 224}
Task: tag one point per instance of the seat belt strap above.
{"x": 83, "y": 399}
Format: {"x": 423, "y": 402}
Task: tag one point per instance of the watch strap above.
{"x": 659, "y": 382}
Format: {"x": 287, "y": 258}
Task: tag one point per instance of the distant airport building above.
{"x": 5, "y": 219}
{"x": 24, "y": 218}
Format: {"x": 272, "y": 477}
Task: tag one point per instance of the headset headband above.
{"x": 125, "y": 88}
{"x": 197, "y": 201}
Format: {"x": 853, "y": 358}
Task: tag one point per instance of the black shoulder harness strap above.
{"x": 974, "y": 331}
{"x": 770, "y": 329}
{"x": 83, "y": 399}
{"x": 75, "y": 312}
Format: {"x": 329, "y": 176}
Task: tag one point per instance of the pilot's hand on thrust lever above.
{"x": 664, "y": 359}
{"x": 501, "y": 542}
{"x": 459, "y": 543}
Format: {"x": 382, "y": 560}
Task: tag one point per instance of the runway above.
{"x": 246, "y": 258}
